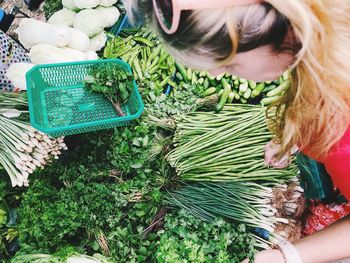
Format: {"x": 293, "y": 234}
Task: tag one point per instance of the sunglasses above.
{"x": 168, "y": 12}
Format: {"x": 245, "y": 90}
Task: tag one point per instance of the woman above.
{"x": 259, "y": 40}
{"x": 10, "y": 52}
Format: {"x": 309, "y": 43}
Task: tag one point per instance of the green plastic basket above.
{"x": 60, "y": 105}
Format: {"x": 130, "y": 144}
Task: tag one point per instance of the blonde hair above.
{"x": 315, "y": 113}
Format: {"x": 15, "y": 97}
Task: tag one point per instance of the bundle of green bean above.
{"x": 247, "y": 203}
{"x": 227, "y": 88}
{"x": 227, "y": 146}
{"x": 152, "y": 66}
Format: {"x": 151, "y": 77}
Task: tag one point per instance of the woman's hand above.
{"x": 271, "y": 150}
{"x": 268, "y": 256}
{"x": 328, "y": 245}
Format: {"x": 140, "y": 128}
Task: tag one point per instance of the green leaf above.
{"x": 89, "y": 79}
{"x": 145, "y": 141}
{"x": 140, "y": 213}
{"x": 136, "y": 165}
{"x": 136, "y": 142}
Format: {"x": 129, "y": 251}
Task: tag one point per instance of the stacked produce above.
{"x": 74, "y": 33}
{"x": 51, "y": 43}
{"x": 226, "y": 88}
{"x": 153, "y": 67}
{"x": 228, "y": 146}
{"x": 22, "y": 148}
{"x": 224, "y": 153}
{"x": 90, "y": 17}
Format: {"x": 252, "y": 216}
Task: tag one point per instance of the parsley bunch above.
{"x": 188, "y": 239}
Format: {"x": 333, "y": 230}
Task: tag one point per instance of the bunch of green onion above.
{"x": 238, "y": 202}
{"x": 23, "y": 148}
{"x": 225, "y": 146}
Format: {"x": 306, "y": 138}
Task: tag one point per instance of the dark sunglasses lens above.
{"x": 165, "y": 10}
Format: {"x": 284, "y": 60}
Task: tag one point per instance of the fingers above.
{"x": 271, "y": 150}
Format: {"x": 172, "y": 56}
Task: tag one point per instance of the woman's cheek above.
{"x": 218, "y": 71}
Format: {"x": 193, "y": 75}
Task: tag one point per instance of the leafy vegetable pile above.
{"x": 8, "y": 217}
{"x": 152, "y": 66}
{"x": 112, "y": 81}
{"x": 187, "y": 239}
{"x": 85, "y": 202}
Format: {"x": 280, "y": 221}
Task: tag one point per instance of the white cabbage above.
{"x": 108, "y": 2}
{"x": 85, "y": 4}
{"x": 79, "y": 41}
{"x": 98, "y": 42}
{"x": 33, "y": 32}
{"x": 64, "y": 17}
{"x": 109, "y": 15}
{"x": 93, "y": 21}
{"x": 47, "y": 54}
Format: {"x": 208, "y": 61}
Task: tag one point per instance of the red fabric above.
{"x": 337, "y": 164}
{"x": 322, "y": 215}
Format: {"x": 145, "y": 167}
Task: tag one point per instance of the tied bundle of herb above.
{"x": 112, "y": 80}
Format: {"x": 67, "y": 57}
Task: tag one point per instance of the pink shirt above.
{"x": 337, "y": 164}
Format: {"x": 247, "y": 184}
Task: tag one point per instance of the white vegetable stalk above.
{"x": 24, "y": 149}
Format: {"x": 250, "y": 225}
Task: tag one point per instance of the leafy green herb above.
{"x": 85, "y": 201}
{"x": 113, "y": 81}
{"x": 187, "y": 239}
{"x": 131, "y": 146}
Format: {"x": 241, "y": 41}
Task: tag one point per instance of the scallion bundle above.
{"x": 23, "y": 148}
{"x": 239, "y": 202}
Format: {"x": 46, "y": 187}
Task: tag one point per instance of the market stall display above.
{"x": 186, "y": 181}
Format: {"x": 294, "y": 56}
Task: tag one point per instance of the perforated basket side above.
{"x": 35, "y": 83}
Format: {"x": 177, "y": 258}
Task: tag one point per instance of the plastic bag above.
{"x": 322, "y": 215}
{"x": 11, "y": 53}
